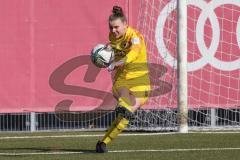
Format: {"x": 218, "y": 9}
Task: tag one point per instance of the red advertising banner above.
{"x": 45, "y": 48}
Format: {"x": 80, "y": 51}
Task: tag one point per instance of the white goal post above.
{"x": 182, "y": 66}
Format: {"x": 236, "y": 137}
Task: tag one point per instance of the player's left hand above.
{"x": 111, "y": 67}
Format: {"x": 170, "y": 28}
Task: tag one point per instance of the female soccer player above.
{"x": 131, "y": 83}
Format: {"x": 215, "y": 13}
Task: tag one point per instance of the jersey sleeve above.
{"x": 134, "y": 50}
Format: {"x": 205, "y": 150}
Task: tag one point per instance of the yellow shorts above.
{"x": 139, "y": 87}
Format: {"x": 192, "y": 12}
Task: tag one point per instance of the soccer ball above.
{"x": 102, "y": 56}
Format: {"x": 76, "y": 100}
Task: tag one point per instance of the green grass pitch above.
{"x": 139, "y": 146}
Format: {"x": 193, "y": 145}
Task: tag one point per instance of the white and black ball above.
{"x": 102, "y": 56}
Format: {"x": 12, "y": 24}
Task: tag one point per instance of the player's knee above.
{"x": 127, "y": 101}
{"x": 123, "y": 112}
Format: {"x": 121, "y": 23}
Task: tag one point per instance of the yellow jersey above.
{"x": 132, "y": 47}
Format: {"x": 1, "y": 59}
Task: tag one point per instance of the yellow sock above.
{"x": 117, "y": 127}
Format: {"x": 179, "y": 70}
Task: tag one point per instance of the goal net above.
{"x": 213, "y": 39}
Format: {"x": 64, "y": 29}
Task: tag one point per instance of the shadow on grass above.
{"x": 39, "y": 150}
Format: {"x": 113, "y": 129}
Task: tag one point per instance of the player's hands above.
{"x": 108, "y": 46}
{"x": 111, "y": 67}
{"x": 117, "y": 64}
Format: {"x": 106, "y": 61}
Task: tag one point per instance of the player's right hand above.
{"x": 111, "y": 67}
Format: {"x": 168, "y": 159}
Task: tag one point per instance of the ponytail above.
{"x": 117, "y": 12}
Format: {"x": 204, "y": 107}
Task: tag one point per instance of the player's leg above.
{"x": 128, "y": 103}
{"x": 124, "y": 114}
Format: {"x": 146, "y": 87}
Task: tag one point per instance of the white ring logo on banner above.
{"x": 238, "y": 32}
{"x": 207, "y": 54}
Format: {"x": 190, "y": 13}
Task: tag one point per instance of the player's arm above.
{"x": 130, "y": 56}
{"x": 134, "y": 51}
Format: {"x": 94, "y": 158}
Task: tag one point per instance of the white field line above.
{"x": 73, "y": 136}
{"x": 99, "y": 135}
{"x": 119, "y": 151}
